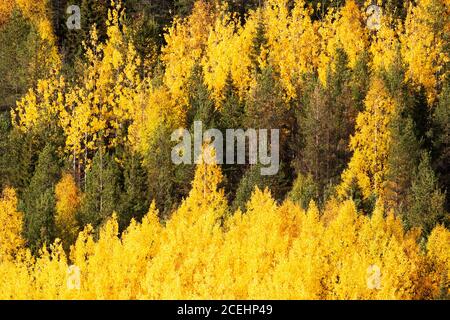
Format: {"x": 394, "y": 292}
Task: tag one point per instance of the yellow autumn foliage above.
{"x": 40, "y": 105}
{"x": 439, "y": 253}
{"x": 40, "y": 15}
{"x": 10, "y": 225}
{"x": 292, "y": 42}
{"x": 270, "y": 251}
{"x": 425, "y": 44}
{"x": 186, "y": 41}
{"x": 385, "y": 45}
{"x": 6, "y": 8}
{"x": 344, "y": 29}
{"x": 97, "y": 109}
{"x": 227, "y": 37}
{"x": 111, "y": 94}
{"x": 68, "y": 201}
{"x": 370, "y": 143}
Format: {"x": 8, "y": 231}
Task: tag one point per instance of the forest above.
{"x": 93, "y": 207}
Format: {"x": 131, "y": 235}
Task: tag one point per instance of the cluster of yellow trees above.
{"x": 112, "y": 94}
{"x": 205, "y": 251}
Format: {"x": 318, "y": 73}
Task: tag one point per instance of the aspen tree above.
{"x": 424, "y": 44}
{"x": 68, "y": 200}
{"x": 370, "y": 143}
{"x": 11, "y": 222}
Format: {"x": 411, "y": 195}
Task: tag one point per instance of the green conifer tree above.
{"x": 39, "y": 200}
{"x": 426, "y": 199}
{"x": 102, "y": 191}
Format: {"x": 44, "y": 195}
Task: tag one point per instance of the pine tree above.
{"x": 19, "y": 151}
{"x": 426, "y": 199}
{"x": 39, "y": 200}
{"x": 5, "y": 128}
{"x": 259, "y": 42}
{"x": 325, "y": 122}
{"x": 252, "y": 178}
{"x": 304, "y": 190}
{"x": 267, "y": 109}
{"x": 102, "y": 191}
{"x": 441, "y": 140}
{"x": 20, "y": 66}
{"x": 231, "y": 112}
{"x": 231, "y": 116}
{"x": 166, "y": 181}
{"x": 135, "y": 198}
{"x": 201, "y": 104}
{"x": 402, "y": 161}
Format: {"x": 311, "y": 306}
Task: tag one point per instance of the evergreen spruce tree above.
{"x": 403, "y": 159}
{"x": 253, "y": 178}
{"x": 39, "y": 200}
{"x": 5, "y": 128}
{"x": 232, "y": 110}
{"x": 135, "y": 199}
{"x": 167, "y": 182}
{"x": 201, "y": 104}
{"x": 102, "y": 191}
{"x": 426, "y": 199}
{"x": 441, "y": 140}
{"x": 326, "y": 120}
{"x": 18, "y": 155}
{"x": 259, "y": 42}
{"x": 266, "y": 108}
{"x": 232, "y": 113}
{"x": 360, "y": 79}
{"x": 304, "y": 190}
{"x": 19, "y": 66}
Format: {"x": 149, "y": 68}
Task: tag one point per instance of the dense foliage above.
{"x": 93, "y": 207}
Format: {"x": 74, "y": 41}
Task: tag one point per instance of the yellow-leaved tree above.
{"x": 385, "y": 45}
{"x": 439, "y": 256}
{"x": 370, "y": 143}
{"x": 41, "y": 107}
{"x": 292, "y": 42}
{"x": 269, "y": 251}
{"x": 40, "y": 15}
{"x": 190, "y": 239}
{"x": 227, "y": 38}
{"x": 11, "y": 222}
{"x": 6, "y": 8}
{"x": 93, "y": 113}
{"x": 186, "y": 41}
{"x": 425, "y": 44}
{"x": 97, "y": 109}
{"x": 153, "y": 107}
{"x": 202, "y": 250}
{"x": 344, "y": 29}
{"x": 68, "y": 201}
